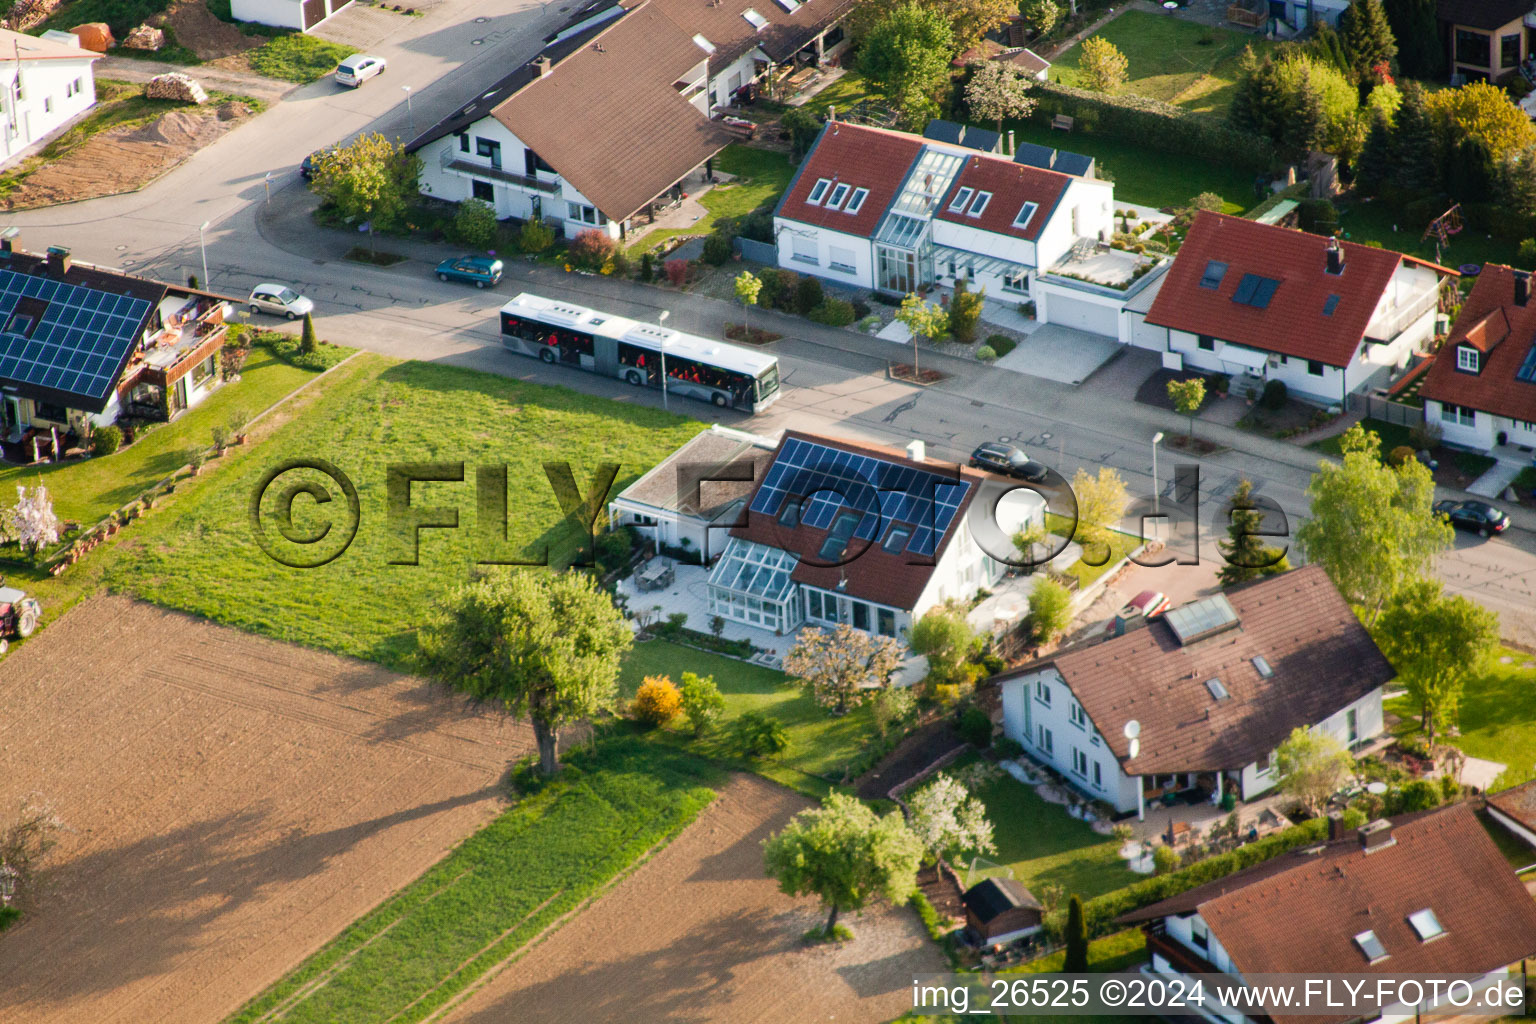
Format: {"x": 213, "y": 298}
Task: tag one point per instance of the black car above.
{"x": 1478, "y": 516}
{"x": 307, "y": 168}
{"x": 999, "y": 458}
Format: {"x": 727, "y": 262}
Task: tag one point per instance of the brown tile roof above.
{"x": 987, "y": 49}
{"x": 1299, "y": 913}
{"x": 1322, "y": 659}
{"x": 1518, "y": 803}
{"x": 688, "y": 481}
{"x": 862, "y": 157}
{"x": 1494, "y": 389}
{"x": 733, "y": 35}
{"x": 608, "y": 118}
{"x": 1012, "y": 185}
{"x": 1030, "y": 61}
{"x": 1293, "y": 323}
{"x": 874, "y": 574}
{"x": 1483, "y": 14}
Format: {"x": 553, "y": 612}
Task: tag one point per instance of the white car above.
{"x": 358, "y": 68}
{"x": 279, "y": 300}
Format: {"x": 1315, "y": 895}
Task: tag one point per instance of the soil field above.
{"x": 698, "y": 934}
{"x": 232, "y": 802}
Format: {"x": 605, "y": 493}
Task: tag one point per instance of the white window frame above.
{"x": 979, "y": 204}
{"x": 798, "y": 243}
{"x": 818, "y": 191}
{"x": 957, "y": 204}
{"x": 1077, "y": 715}
{"x": 1043, "y": 692}
{"x": 1016, "y": 282}
{"x": 1079, "y": 763}
{"x": 1098, "y": 775}
{"x": 833, "y": 263}
{"x": 856, "y": 201}
{"x": 1047, "y": 741}
{"x": 1025, "y": 213}
{"x": 839, "y": 193}
{"x": 1466, "y": 358}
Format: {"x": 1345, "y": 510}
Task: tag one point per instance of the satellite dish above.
{"x": 1135, "y": 749}
{"x": 1132, "y": 729}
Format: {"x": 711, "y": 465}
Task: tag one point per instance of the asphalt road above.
{"x": 834, "y": 380}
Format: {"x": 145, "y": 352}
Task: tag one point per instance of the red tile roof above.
{"x": 722, "y": 22}
{"x": 1322, "y": 660}
{"x": 1494, "y": 389}
{"x": 873, "y": 574}
{"x": 1012, "y": 185}
{"x": 860, "y": 157}
{"x": 1299, "y": 913}
{"x": 1293, "y": 323}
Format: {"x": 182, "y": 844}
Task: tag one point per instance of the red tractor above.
{"x": 19, "y": 614}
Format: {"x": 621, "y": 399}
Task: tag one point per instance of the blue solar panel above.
{"x": 81, "y": 338}
{"x": 1527, "y": 371}
{"x": 834, "y": 478}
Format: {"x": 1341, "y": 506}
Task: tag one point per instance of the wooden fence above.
{"x": 1377, "y": 408}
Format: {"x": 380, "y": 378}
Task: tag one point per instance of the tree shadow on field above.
{"x": 133, "y": 912}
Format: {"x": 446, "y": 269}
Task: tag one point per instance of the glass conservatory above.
{"x": 750, "y": 584}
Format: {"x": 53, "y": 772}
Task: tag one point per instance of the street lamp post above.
{"x": 1157, "y": 505}
{"x": 268, "y": 183}
{"x": 408, "y": 109}
{"x": 203, "y": 245}
{"x": 661, "y": 347}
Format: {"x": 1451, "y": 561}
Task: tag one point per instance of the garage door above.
{"x": 1070, "y": 311}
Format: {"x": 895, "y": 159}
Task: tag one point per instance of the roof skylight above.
{"x": 1426, "y": 924}
{"x": 757, "y": 20}
{"x": 1371, "y": 946}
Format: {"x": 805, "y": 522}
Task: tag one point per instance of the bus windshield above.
{"x": 768, "y": 382}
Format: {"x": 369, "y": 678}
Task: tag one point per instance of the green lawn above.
{"x": 820, "y": 746}
{"x": 1498, "y": 717}
{"x": 1044, "y": 845}
{"x": 86, "y": 491}
{"x": 1121, "y": 545}
{"x": 298, "y": 58}
{"x": 498, "y": 890}
{"x": 762, "y": 176}
{"x": 1180, "y": 62}
{"x": 1392, "y": 436}
{"x": 1384, "y": 224}
{"x": 200, "y": 555}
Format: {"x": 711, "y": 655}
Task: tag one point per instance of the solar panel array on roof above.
{"x": 881, "y": 492}
{"x": 1075, "y": 164}
{"x": 1200, "y": 619}
{"x": 79, "y": 342}
{"x": 1331, "y": 304}
{"x": 1255, "y": 290}
{"x": 1031, "y": 155}
{"x": 1527, "y": 371}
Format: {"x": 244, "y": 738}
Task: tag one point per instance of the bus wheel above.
{"x": 633, "y": 377}
{"x": 548, "y": 355}
{"x": 719, "y": 400}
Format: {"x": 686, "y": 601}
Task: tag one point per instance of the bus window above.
{"x": 768, "y": 383}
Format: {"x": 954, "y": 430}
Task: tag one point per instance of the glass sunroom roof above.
{"x": 755, "y": 569}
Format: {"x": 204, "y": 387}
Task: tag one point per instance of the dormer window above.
{"x": 818, "y": 190}
{"x": 979, "y": 204}
{"x": 957, "y": 204}
{"x": 1025, "y": 212}
{"x": 1466, "y": 358}
{"x": 838, "y": 195}
{"x": 856, "y": 201}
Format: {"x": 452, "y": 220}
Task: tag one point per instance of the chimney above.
{"x": 58, "y": 260}
{"x": 1011, "y": 148}
{"x": 1335, "y": 825}
{"x": 917, "y": 451}
{"x": 1335, "y": 257}
{"x": 10, "y": 240}
{"x": 544, "y": 66}
{"x": 1522, "y": 289}
{"x": 831, "y": 114}
{"x": 1376, "y": 835}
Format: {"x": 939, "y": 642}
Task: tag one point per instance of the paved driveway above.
{"x": 1061, "y": 354}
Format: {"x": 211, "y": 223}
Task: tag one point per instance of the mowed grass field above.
{"x": 1180, "y": 62}
{"x": 200, "y": 553}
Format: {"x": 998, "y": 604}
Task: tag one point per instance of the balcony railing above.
{"x": 1400, "y": 319}
{"x": 452, "y": 162}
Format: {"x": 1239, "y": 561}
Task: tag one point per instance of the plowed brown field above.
{"x": 233, "y": 803}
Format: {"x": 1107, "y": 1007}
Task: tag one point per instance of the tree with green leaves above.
{"x": 906, "y": 57}
{"x": 1244, "y": 554}
{"x": 1415, "y": 25}
{"x": 1435, "y": 642}
{"x": 702, "y": 701}
{"x": 1102, "y": 67}
{"x": 1028, "y": 539}
{"x": 475, "y": 223}
{"x": 965, "y": 310}
{"x": 754, "y": 735}
{"x": 1311, "y": 767}
{"x": 1042, "y": 15}
{"x": 544, "y": 646}
{"x": 308, "y": 341}
{"x": 943, "y": 637}
{"x": 1187, "y": 397}
{"x": 803, "y": 127}
{"x": 1378, "y": 156}
{"x": 1414, "y": 143}
{"x": 845, "y": 856}
{"x": 948, "y": 820}
{"x": 1481, "y": 112}
{"x": 1101, "y": 500}
{"x": 1373, "y": 527}
{"x": 748, "y": 287}
{"x": 842, "y": 667}
{"x": 1050, "y": 610}
{"x": 1367, "y": 39}
{"x": 999, "y": 90}
{"x": 369, "y": 180}
{"x": 1327, "y": 48}
{"x": 1076, "y": 937}
{"x": 924, "y": 321}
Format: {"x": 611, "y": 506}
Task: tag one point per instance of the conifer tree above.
{"x": 1244, "y": 554}
{"x": 1367, "y": 38}
{"x": 1378, "y": 157}
{"x": 1414, "y": 143}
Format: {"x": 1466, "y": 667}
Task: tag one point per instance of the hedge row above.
{"x": 1100, "y": 912}
{"x": 1156, "y": 125}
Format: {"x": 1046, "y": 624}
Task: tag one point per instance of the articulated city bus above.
{"x": 635, "y": 351}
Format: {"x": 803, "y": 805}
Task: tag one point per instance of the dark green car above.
{"x": 476, "y": 270}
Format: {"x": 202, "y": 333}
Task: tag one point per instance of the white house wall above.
{"x": 48, "y": 103}
{"x": 732, "y": 77}
{"x": 816, "y": 244}
{"x": 1024, "y": 715}
{"x": 281, "y": 13}
{"x": 1479, "y": 434}
{"x": 1369, "y": 722}
{"x": 1094, "y": 202}
{"x": 1057, "y": 303}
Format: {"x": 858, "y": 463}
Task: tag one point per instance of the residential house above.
{"x": 81, "y": 343}
{"x": 897, "y": 212}
{"x": 1426, "y": 894}
{"x": 1022, "y": 57}
{"x": 1485, "y": 40}
{"x": 1328, "y": 318}
{"x": 44, "y": 85}
{"x": 300, "y": 14}
{"x": 694, "y": 496}
{"x": 1201, "y": 697}
{"x": 614, "y": 114}
{"x": 838, "y": 531}
{"x": 999, "y": 911}
{"x": 1303, "y": 14}
{"x": 1515, "y": 809}
{"x": 1481, "y": 389}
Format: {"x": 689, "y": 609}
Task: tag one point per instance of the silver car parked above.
{"x": 279, "y": 300}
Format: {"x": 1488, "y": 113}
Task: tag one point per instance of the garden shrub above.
{"x": 658, "y": 701}
{"x": 1007, "y": 748}
{"x": 772, "y": 283}
{"x": 1450, "y": 789}
{"x": 308, "y": 342}
{"x": 860, "y": 309}
{"x": 591, "y": 250}
{"x": 808, "y": 295}
{"x": 1353, "y": 817}
{"x": 1001, "y": 344}
{"x": 647, "y": 267}
{"x": 1424, "y": 436}
{"x": 614, "y": 547}
{"x": 755, "y": 734}
{"x": 1400, "y": 455}
{"x": 679, "y": 272}
{"x": 1526, "y": 254}
{"x": 718, "y": 248}
{"x": 992, "y": 664}
{"x": 1274, "y": 396}
{"x": 757, "y": 226}
{"x": 986, "y": 354}
{"x": 1318, "y": 216}
{"x": 106, "y": 440}
{"x": 964, "y": 312}
{"x": 834, "y": 312}
{"x": 1418, "y": 795}
{"x": 975, "y": 727}
{"x": 475, "y": 223}
{"x": 535, "y": 237}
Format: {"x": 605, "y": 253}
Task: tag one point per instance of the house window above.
{"x": 482, "y": 190}
{"x": 1078, "y": 716}
{"x": 841, "y": 259}
{"x": 1047, "y": 742}
{"x": 1466, "y": 358}
{"x": 818, "y": 190}
{"x": 861, "y": 616}
{"x": 1509, "y": 50}
{"x": 856, "y": 201}
{"x": 1215, "y": 270}
{"x": 896, "y": 539}
{"x": 838, "y": 195}
{"x": 885, "y": 621}
{"x": 979, "y": 205}
{"x": 201, "y": 372}
{"x": 1079, "y": 763}
{"x": 804, "y": 249}
{"x": 584, "y": 213}
{"x": 490, "y": 149}
{"x": 1371, "y": 946}
{"x": 533, "y": 164}
{"x": 1472, "y": 47}
{"x": 49, "y": 411}
{"x": 1042, "y": 691}
{"x": 962, "y": 197}
{"x": 463, "y": 143}
{"x": 1314, "y": 368}
{"x": 1098, "y": 775}
{"x": 1025, "y": 212}
{"x": 1199, "y": 933}
{"x": 813, "y": 604}
{"x": 1207, "y": 343}
{"x": 1458, "y": 414}
{"x": 47, "y": 104}
{"x": 1016, "y": 281}
{"x": 1265, "y": 764}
